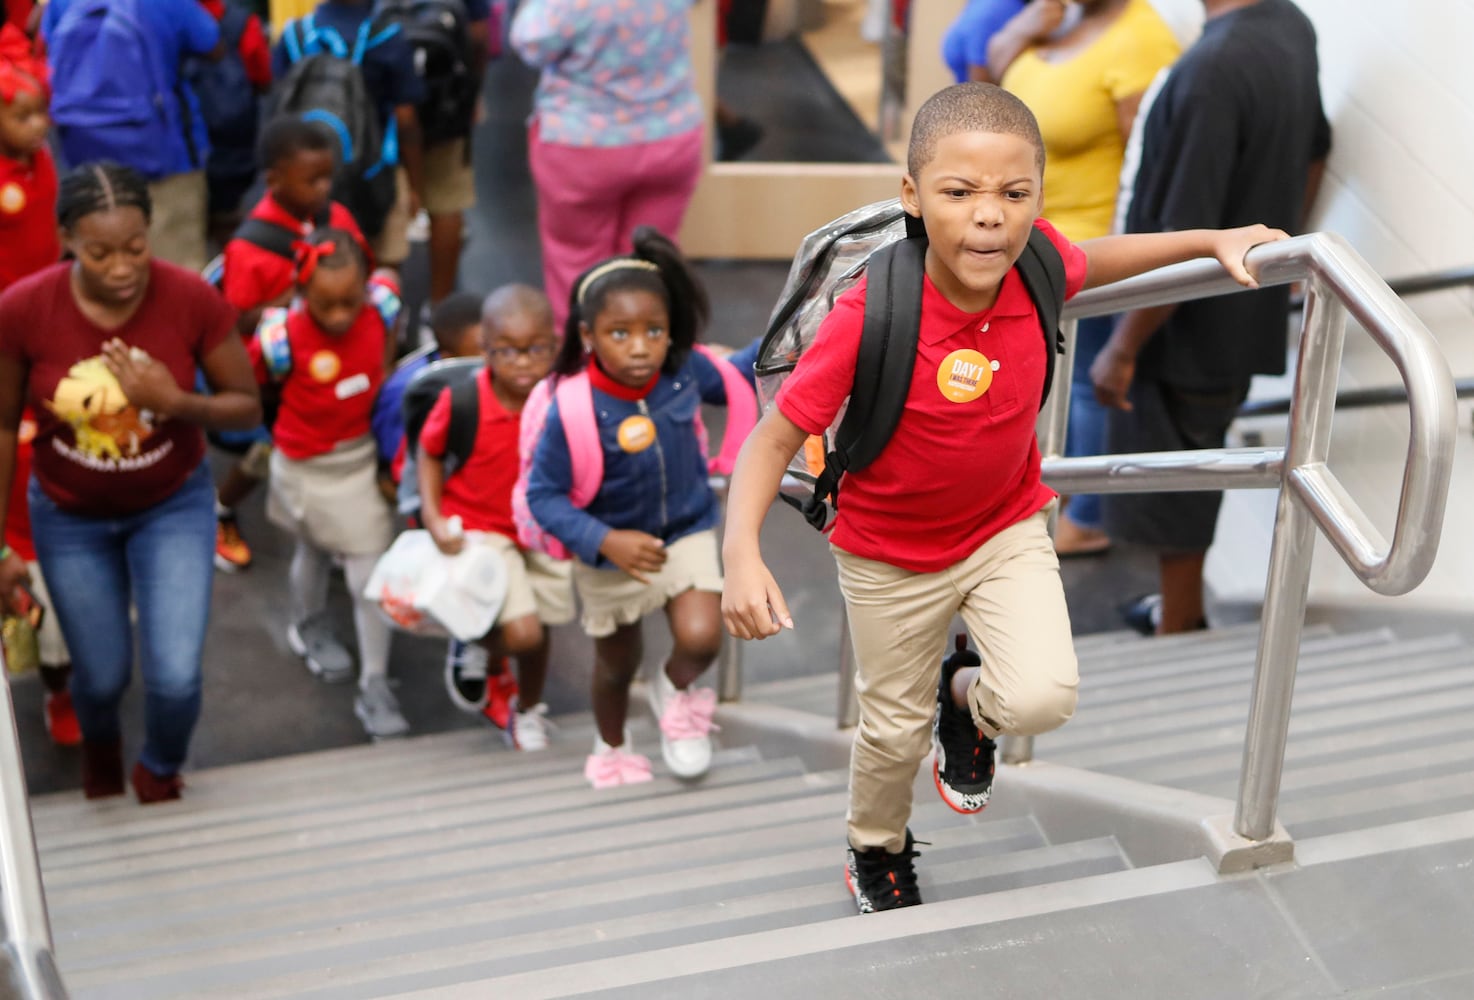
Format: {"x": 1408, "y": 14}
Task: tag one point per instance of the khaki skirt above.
{"x": 332, "y": 501}
{"x": 611, "y": 597}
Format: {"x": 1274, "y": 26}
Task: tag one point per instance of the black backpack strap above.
{"x": 274, "y": 239}
{"x": 894, "y": 278}
{"x": 1043, "y": 271}
{"x": 465, "y": 420}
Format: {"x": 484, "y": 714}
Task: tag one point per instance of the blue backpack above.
{"x": 112, "y": 99}
{"x": 228, "y": 102}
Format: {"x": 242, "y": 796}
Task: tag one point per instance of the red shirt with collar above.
{"x": 955, "y": 473}
{"x": 254, "y": 277}
{"x": 480, "y": 492}
{"x": 255, "y": 50}
{"x": 28, "y": 236}
{"x": 328, "y": 395}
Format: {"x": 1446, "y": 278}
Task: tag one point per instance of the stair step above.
{"x": 1389, "y": 799}
{"x": 636, "y": 910}
{"x": 1186, "y": 646}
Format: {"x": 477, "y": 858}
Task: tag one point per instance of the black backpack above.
{"x": 227, "y": 102}
{"x": 888, "y": 246}
{"x": 326, "y": 84}
{"x": 459, "y": 375}
{"x": 439, "y": 32}
{"x": 274, "y": 239}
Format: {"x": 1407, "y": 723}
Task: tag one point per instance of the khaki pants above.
{"x": 181, "y": 209}
{"x": 1009, "y": 595}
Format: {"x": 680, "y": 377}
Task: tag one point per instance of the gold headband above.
{"x": 610, "y": 266}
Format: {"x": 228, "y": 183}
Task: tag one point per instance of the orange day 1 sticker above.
{"x": 324, "y": 366}
{"x": 965, "y": 375}
{"x": 636, "y": 434}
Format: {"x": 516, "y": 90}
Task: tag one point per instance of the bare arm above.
{"x": 431, "y": 472}
{"x": 1126, "y": 109}
{"x": 1115, "y": 258}
{"x": 1024, "y": 30}
{"x": 234, "y": 403}
{"x": 752, "y": 605}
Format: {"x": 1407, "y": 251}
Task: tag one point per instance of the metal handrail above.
{"x": 1340, "y": 283}
{"x": 24, "y": 922}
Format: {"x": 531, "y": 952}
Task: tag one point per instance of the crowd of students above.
{"x": 576, "y": 452}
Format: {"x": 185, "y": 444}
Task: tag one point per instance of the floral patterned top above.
{"x": 614, "y": 72}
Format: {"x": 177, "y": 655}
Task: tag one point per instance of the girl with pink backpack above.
{"x": 616, "y": 476}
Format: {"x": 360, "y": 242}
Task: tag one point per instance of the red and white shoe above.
{"x": 500, "y": 690}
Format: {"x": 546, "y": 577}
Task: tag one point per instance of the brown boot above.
{"x": 150, "y": 788}
{"x": 102, "y": 768}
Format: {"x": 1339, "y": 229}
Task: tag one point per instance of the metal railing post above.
{"x": 26, "y": 925}
{"x": 1288, "y": 583}
{"x": 729, "y": 668}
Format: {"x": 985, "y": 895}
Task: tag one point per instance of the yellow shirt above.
{"x": 283, "y": 11}
{"x": 1075, "y": 102}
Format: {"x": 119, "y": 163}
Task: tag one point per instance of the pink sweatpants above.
{"x": 591, "y": 198}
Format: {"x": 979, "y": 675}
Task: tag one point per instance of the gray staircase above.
{"x": 447, "y": 866}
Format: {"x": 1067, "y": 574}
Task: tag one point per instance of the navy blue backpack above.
{"x": 228, "y": 102}
{"x": 111, "y": 98}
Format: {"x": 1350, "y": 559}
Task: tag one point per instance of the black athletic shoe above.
{"x": 880, "y": 880}
{"x": 964, "y": 766}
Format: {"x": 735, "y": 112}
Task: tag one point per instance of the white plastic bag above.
{"x": 425, "y": 592}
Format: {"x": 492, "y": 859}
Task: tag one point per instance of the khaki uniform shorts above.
{"x": 450, "y": 184}
{"x": 391, "y": 246}
{"x": 537, "y": 584}
{"x": 611, "y": 597}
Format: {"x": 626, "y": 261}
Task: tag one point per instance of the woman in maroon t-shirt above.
{"x": 104, "y": 348}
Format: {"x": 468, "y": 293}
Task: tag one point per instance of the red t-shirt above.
{"x": 95, "y": 453}
{"x": 28, "y": 236}
{"x": 255, "y": 50}
{"x": 480, "y": 492}
{"x": 328, "y": 395}
{"x": 18, "y": 514}
{"x": 955, "y": 473}
{"x": 254, "y": 276}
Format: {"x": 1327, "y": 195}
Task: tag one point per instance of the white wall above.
{"x": 1397, "y": 79}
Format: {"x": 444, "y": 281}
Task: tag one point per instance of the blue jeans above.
{"x": 159, "y": 561}
{"x": 1086, "y": 434}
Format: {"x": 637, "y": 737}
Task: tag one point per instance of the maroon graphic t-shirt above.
{"x": 96, "y": 453}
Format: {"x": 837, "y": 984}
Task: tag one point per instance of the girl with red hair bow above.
{"x": 327, "y": 357}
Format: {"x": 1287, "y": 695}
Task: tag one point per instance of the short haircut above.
{"x": 970, "y": 107}
{"x": 287, "y": 135}
{"x": 451, "y": 317}
{"x": 516, "y": 300}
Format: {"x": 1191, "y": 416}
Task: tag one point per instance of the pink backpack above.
{"x": 575, "y": 398}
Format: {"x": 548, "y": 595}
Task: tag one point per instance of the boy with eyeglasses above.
{"x": 518, "y": 342}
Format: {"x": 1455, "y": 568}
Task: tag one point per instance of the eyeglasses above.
{"x": 540, "y": 351}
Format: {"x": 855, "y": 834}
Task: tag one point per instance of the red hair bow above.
{"x": 20, "y": 69}
{"x": 309, "y": 255}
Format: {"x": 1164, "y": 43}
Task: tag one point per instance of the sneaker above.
{"x": 1144, "y": 614}
{"x": 231, "y": 551}
{"x": 465, "y": 675}
{"x": 609, "y": 767}
{"x": 963, "y": 770}
{"x": 61, "y": 719}
{"x": 528, "y": 730}
{"x": 378, "y": 710}
{"x": 685, "y": 725}
{"x": 325, "y": 656}
{"x": 501, "y": 688}
{"x": 151, "y": 788}
{"x": 880, "y": 880}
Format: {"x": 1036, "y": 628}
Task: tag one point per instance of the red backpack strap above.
{"x": 575, "y": 396}
{"x": 741, "y": 412}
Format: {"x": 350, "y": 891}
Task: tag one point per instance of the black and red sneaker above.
{"x": 880, "y": 880}
{"x": 964, "y": 766}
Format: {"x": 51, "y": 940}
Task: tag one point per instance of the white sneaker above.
{"x": 685, "y": 725}
{"x": 528, "y": 730}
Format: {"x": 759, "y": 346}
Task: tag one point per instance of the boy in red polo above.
{"x": 299, "y": 158}
{"x": 951, "y": 518}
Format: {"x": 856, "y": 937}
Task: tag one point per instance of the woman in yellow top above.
{"x": 1083, "y": 76}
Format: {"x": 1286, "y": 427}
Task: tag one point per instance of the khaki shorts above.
{"x": 537, "y": 584}
{"x": 450, "y": 184}
{"x": 177, "y": 230}
{"x": 611, "y": 597}
{"x": 391, "y": 246}
{"x": 53, "y": 648}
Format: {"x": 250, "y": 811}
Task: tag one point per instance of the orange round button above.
{"x": 324, "y": 366}
{"x": 636, "y": 434}
{"x": 12, "y": 198}
{"x": 965, "y": 375}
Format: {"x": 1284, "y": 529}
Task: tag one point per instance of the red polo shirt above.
{"x": 963, "y": 463}
{"x": 328, "y": 395}
{"x": 481, "y": 491}
{"x": 28, "y": 236}
{"x": 254, "y": 277}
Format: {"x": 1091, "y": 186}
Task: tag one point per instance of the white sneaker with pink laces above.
{"x": 685, "y": 725}
{"x": 610, "y": 767}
